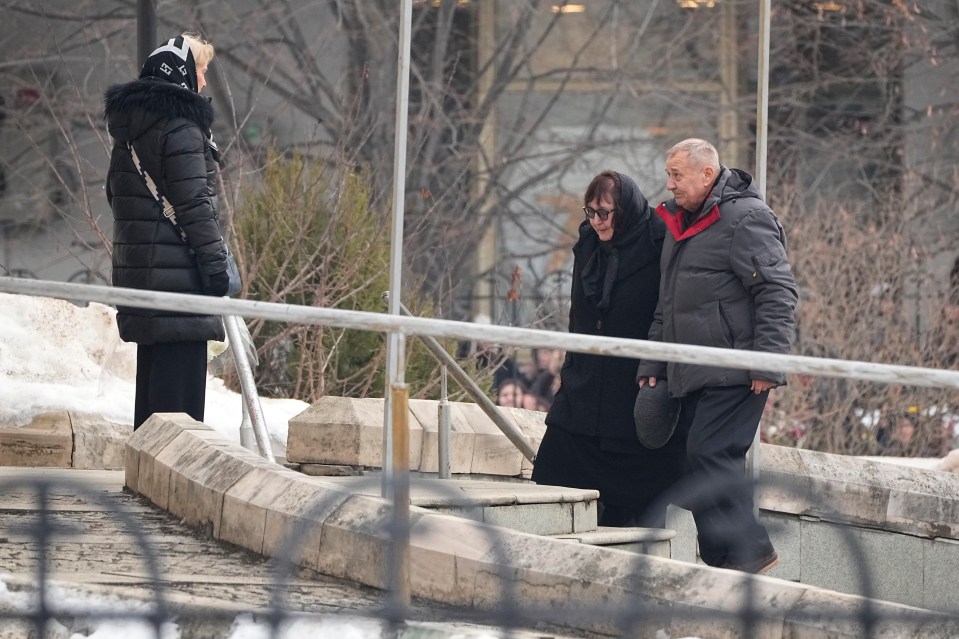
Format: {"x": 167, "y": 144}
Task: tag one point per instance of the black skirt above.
{"x": 631, "y": 480}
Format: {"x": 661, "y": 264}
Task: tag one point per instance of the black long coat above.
{"x": 168, "y": 127}
{"x": 597, "y": 393}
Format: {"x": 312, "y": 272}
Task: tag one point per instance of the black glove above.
{"x": 219, "y": 284}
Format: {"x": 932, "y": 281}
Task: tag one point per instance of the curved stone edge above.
{"x": 847, "y": 489}
{"x": 188, "y": 469}
{"x": 837, "y": 488}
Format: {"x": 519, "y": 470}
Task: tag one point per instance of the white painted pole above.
{"x": 395, "y": 347}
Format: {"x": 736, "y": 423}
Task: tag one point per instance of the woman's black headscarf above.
{"x": 603, "y": 264}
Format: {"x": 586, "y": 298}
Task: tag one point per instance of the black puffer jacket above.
{"x": 597, "y": 393}
{"x": 168, "y": 127}
{"x": 726, "y": 283}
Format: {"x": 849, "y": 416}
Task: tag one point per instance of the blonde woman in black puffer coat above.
{"x": 167, "y": 123}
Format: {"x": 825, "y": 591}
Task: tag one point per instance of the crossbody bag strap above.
{"x": 168, "y": 211}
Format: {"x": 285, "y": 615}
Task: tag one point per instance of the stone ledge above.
{"x": 63, "y": 439}
{"x": 464, "y": 562}
{"x": 605, "y": 536}
{"x": 46, "y": 441}
{"x": 834, "y": 488}
{"x": 839, "y": 488}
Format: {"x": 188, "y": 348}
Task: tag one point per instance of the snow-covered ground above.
{"x": 58, "y": 356}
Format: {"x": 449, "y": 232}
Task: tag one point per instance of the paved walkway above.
{"x": 94, "y": 551}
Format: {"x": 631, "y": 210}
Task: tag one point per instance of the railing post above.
{"x": 400, "y": 557}
{"x": 249, "y": 395}
{"x": 247, "y": 438}
{"x": 443, "y": 430}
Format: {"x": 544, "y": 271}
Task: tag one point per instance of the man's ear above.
{"x": 709, "y": 174}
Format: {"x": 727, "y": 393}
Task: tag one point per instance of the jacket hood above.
{"x": 731, "y": 184}
{"x": 132, "y": 108}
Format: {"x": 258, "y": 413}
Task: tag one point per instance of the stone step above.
{"x": 522, "y": 506}
{"x": 646, "y": 541}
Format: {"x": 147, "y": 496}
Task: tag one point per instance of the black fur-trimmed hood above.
{"x": 133, "y": 107}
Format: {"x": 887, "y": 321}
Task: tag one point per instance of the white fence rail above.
{"x": 527, "y": 337}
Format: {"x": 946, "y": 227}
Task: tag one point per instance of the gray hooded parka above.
{"x": 726, "y": 283}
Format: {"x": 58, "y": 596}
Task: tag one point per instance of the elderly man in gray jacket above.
{"x": 726, "y": 282}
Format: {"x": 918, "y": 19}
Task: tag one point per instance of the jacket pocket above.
{"x": 727, "y": 326}
{"x": 772, "y": 266}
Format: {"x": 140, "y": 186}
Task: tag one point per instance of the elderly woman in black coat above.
{"x": 162, "y": 117}
{"x": 590, "y": 439}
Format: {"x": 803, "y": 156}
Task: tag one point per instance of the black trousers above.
{"x": 632, "y": 481}
{"x": 171, "y": 378}
{"x": 719, "y": 425}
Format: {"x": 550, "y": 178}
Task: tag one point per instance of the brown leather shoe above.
{"x": 757, "y": 566}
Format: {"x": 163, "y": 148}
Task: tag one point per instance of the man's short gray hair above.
{"x": 699, "y": 152}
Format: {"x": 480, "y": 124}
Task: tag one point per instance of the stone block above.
{"x": 446, "y": 554}
{"x": 535, "y": 519}
{"x": 574, "y": 584}
{"x": 47, "y": 441}
{"x": 295, "y": 518}
{"x": 248, "y": 502}
{"x": 533, "y": 426}
{"x": 98, "y": 443}
{"x": 493, "y": 452}
{"x": 355, "y": 541}
{"x": 784, "y": 483}
{"x": 338, "y": 430}
{"x": 461, "y": 437}
{"x": 147, "y": 441}
{"x": 585, "y": 515}
{"x": 683, "y": 546}
{"x": 829, "y": 556}
{"x": 200, "y": 479}
{"x": 784, "y": 532}
{"x": 923, "y": 501}
{"x": 895, "y": 566}
{"x": 327, "y": 470}
{"x": 156, "y": 484}
{"x": 844, "y": 488}
{"x": 940, "y": 561}
{"x": 243, "y": 518}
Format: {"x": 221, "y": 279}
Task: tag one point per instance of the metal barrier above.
{"x": 636, "y": 618}
{"x": 476, "y": 394}
{"x": 279, "y": 604}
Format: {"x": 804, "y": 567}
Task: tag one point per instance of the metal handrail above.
{"x": 466, "y": 382}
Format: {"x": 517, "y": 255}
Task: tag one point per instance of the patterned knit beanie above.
{"x": 173, "y": 62}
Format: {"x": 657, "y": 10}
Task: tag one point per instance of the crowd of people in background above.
{"x": 520, "y": 377}
{"x": 528, "y": 379}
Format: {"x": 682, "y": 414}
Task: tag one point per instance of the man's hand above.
{"x": 643, "y": 380}
{"x": 762, "y": 385}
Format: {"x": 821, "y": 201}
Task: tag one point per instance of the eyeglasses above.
{"x": 602, "y": 213}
